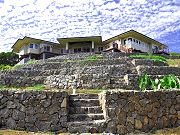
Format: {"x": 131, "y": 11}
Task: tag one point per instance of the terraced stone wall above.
{"x": 131, "y": 111}
{"x": 33, "y": 110}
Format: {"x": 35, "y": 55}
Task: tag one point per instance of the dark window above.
{"x": 31, "y": 46}
{"x": 115, "y": 45}
{"x": 139, "y": 42}
{"x": 130, "y": 39}
{"x": 36, "y": 46}
{"x": 134, "y": 40}
{"x": 124, "y": 42}
{"x": 100, "y": 49}
{"x": 76, "y": 50}
{"x": 86, "y": 49}
{"x": 47, "y": 48}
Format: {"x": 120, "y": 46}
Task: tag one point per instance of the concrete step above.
{"x": 84, "y": 102}
{"x": 158, "y": 70}
{"x": 86, "y": 117}
{"x": 96, "y": 126}
{"x": 84, "y": 96}
{"x": 85, "y": 110}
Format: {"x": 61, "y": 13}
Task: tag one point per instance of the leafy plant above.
{"x": 144, "y": 82}
{"x": 166, "y": 82}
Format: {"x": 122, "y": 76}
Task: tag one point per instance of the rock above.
{"x": 145, "y": 120}
{"x": 121, "y": 129}
{"x": 17, "y": 115}
{"x": 172, "y": 110}
{"x": 64, "y": 103}
{"x": 11, "y": 123}
{"x": 111, "y": 127}
{"x": 138, "y": 124}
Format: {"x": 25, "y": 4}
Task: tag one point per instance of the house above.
{"x": 31, "y": 48}
{"x": 127, "y": 42}
{"x": 133, "y": 41}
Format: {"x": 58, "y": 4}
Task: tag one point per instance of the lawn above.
{"x": 173, "y": 62}
{"x": 151, "y": 57}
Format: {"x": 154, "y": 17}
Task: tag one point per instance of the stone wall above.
{"x": 132, "y": 111}
{"x": 33, "y": 110}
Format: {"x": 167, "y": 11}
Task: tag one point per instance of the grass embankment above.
{"x": 151, "y": 57}
{"x": 41, "y": 87}
{"x": 173, "y": 62}
{"x": 38, "y": 87}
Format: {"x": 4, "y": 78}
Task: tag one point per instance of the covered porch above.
{"x": 81, "y": 44}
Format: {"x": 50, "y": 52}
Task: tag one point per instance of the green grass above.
{"x": 5, "y": 67}
{"x": 157, "y": 58}
{"x": 38, "y": 87}
{"x": 173, "y": 62}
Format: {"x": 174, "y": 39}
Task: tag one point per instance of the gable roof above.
{"x": 135, "y": 34}
{"x": 26, "y": 40}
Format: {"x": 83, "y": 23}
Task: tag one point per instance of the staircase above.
{"x": 85, "y": 114}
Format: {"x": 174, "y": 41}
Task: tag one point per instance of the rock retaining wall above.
{"x": 33, "y": 110}
{"x": 131, "y": 111}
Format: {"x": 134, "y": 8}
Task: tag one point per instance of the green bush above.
{"x": 174, "y": 54}
{"x": 5, "y": 67}
{"x": 157, "y": 58}
{"x": 166, "y": 82}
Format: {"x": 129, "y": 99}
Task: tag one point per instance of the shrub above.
{"x": 166, "y": 82}
{"x": 174, "y": 54}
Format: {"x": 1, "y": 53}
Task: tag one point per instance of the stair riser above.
{"x": 85, "y": 117}
{"x": 79, "y": 110}
{"x": 84, "y": 96}
{"x": 84, "y": 103}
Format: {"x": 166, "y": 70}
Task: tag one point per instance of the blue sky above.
{"x": 51, "y": 19}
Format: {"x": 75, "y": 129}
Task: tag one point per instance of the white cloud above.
{"x": 49, "y": 19}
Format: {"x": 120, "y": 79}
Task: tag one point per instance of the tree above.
{"x": 9, "y": 58}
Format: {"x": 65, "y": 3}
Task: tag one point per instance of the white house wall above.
{"x": 142, "y": 46}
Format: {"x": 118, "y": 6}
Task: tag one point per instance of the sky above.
{"x": 52, "y": 19}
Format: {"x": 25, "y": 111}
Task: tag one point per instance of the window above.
{"x": 31, "y": 46}
{"x": 134, "y": 40}
{"x": 47, "y": 48}
{"x": 139, "y": 42}
{"x": 76, "y": 50}
{"x": 124, "y": 41}
{"x": 36, "y": 46}
{"x": 86, "y": 49}
{"x": 130, "y": 39}
{"x": 100, "y": 49}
